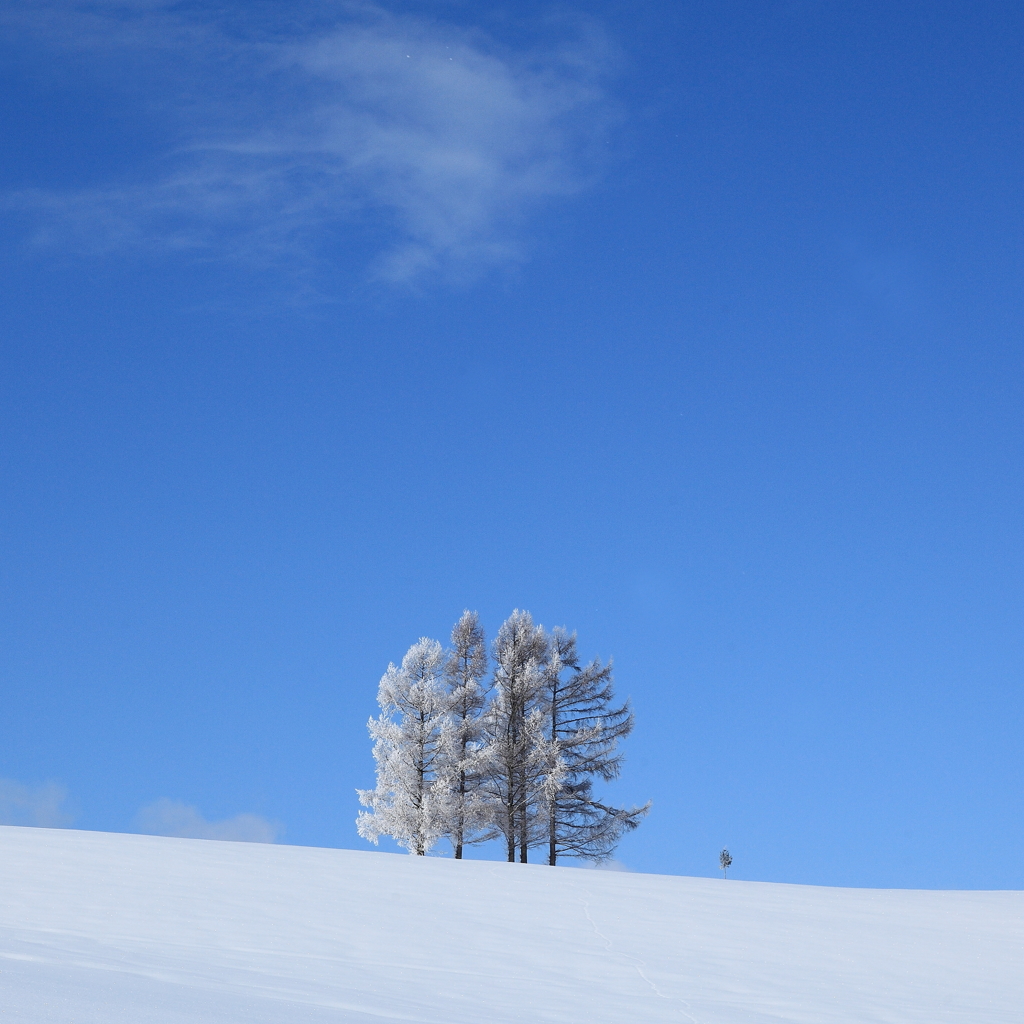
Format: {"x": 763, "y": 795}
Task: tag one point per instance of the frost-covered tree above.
{"x": 724, "y": 861}
{"x": 462, "y": 734}
{"x": 516, "y": 759}
{"x": 407, "y": 748}
{"x": 583, "y": 727}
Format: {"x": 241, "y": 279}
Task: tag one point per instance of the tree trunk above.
{"x": 552, "y": 815}
{"x": 523, "y": 843}
{"x": 460, "y": 831}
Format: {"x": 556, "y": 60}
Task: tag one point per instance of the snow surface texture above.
{"x": 126, "y": 929}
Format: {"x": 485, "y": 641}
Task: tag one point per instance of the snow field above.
{"x": 98, "y": 927}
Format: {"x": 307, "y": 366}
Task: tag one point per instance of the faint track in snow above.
{"x": 637, "y": 963}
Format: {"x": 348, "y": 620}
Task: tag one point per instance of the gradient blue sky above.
{"x": 693, "y": 327}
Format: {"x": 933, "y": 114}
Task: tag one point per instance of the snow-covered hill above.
{"x": 122, "y": 928}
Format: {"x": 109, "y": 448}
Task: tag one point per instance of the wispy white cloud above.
{"x": 433, "y": 140}
{"x": 603, "y": 865}
{"x": 175, "y": 818}
{"x": 43, "y": 805}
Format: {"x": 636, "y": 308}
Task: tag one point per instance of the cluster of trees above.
{"x": 470, "y": 756}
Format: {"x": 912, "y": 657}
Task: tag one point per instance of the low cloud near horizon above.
{"x": 175, "y": 818}
{"x": 424, "y": 143}
{"x": 42, "y": 806}
{"x": 602, "y": 865}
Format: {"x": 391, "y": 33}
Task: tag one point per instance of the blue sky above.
{"x": 695, "y": 328}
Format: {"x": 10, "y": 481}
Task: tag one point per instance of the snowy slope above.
{"x": 124, "y": 928}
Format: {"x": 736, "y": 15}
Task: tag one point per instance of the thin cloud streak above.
{"x": 428, "y": 141}
{"x": 180, "y": 820}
